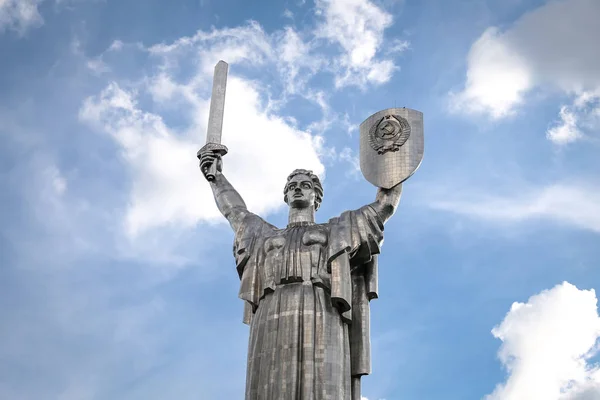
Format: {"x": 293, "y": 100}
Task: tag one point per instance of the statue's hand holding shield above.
{"x": 391, "y": 146}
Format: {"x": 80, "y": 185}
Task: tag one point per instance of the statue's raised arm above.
{"x": 386, "y": 202}
{"x": 228, "y": 200}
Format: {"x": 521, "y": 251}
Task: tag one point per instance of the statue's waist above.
{"x": 294, "y": 280}
{"x": 291, "y": 279}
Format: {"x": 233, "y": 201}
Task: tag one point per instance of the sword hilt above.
{"x": 215, "y": 148}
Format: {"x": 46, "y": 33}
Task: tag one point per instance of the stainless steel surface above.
{"x": 215, "y": 118}
{"x": 391, "y": 146}
{"x": 217, "y": 103}
{"x": 307, "y": 287}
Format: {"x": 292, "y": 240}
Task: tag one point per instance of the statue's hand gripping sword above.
{"x": 215, "y": 117}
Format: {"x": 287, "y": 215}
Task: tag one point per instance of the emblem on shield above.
{"x": 389, "y": 134}
{"x": 391, "y": 146}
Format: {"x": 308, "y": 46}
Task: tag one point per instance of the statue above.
{"x": 306, "y": 287}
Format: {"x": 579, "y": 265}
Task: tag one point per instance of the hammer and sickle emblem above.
{"x": 387, "y": 130}
{"x": 391, "y": 132}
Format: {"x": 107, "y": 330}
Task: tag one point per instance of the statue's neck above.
{"x": 301, "y": 215}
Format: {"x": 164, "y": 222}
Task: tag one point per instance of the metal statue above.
{"x": 306, "y": 287}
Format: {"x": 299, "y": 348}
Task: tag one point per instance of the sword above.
{"x": 215, "y": 117}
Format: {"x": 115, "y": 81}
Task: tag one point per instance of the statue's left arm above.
{"x": 355, "y": 240}
{"x": 387, "y": 201}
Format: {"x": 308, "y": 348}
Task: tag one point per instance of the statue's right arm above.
{"x": 228, "y": 200}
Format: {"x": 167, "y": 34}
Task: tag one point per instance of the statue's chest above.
{"x": 295, "y": 254}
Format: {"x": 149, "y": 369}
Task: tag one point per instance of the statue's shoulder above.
{"x": 256, "y": 224}
{"x": 365, "y": 215}
{"x": 366, "y": 209}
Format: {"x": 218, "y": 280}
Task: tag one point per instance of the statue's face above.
{"x": 300, "y": 192}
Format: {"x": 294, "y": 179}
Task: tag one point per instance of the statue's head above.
{"x": 303, "y": 189}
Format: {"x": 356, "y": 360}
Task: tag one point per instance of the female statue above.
{"x": 306, "y": 289}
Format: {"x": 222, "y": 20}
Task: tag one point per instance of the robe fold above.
{"x": 306, "y": 292}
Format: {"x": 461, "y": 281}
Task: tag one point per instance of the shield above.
{"x": 391, "y": 146}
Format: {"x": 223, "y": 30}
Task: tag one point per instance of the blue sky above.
{"x": 116, "y": 274}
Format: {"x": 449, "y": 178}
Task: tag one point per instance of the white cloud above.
{"x": 582, "y": 114}
{"x": 546, "y": 345}
{"x": 497, "y": 77}
{"x": 57, "y": 180}
{"x": 351, "y": 24}
{"x": 22, "y": 15}
{"x": 570, "y": 204}
{"x": 552, "y": 47}
{"x": 168, "y": 188}
{"x": 97, "y": 66}
{"x": 296, "y": 56}
{"x": 351, "y": 158}
{"x": 116, "y": 45}
{"x": 19, "y": 15}
{"x": 286, "y": 50}
{"x": 358, "y": 27}
{"x": 288, "y": 14}
{"x": 566, "y": 131}
{"x": 246, "y": 45}
{"x": 397, "y": 46}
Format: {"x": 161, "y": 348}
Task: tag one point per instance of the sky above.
{"x": 117, "y": 279}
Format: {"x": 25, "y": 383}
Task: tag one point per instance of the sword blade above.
{"x": 217, "y": 103}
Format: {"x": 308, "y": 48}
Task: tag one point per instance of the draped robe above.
{"x": 306, "y": 292}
